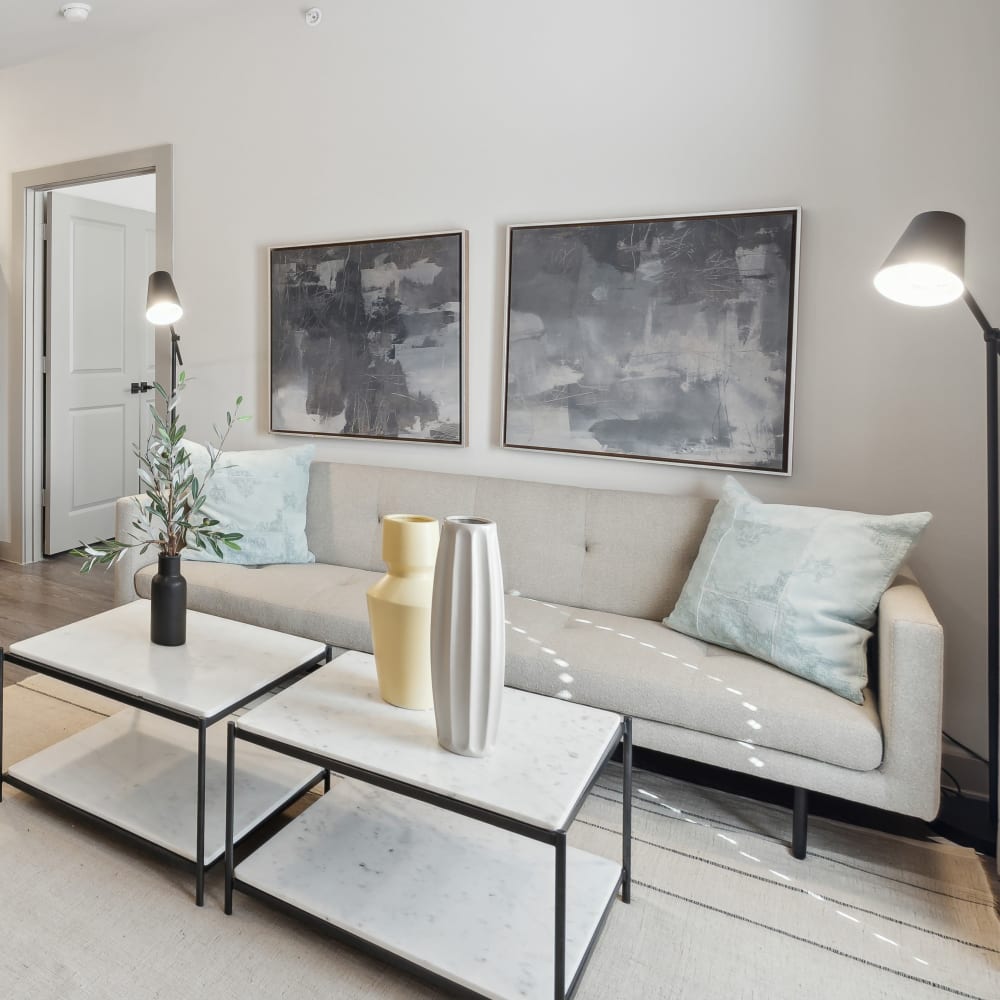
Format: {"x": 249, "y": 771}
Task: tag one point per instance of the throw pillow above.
{"x": 796, "y": 586}
{"x": 261, "y": 494}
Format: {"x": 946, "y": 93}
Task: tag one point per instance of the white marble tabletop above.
{"x": 221, "y": 664}
{"x": 546, "y": 750}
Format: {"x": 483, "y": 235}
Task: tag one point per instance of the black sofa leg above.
{"x": 800, "y": 822}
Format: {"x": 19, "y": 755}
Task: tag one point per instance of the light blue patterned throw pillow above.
{"x": 262, "y": 494}
{"x": 796, "y": 586}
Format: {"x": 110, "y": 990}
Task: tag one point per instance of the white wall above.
{"x": 395, "y": 117}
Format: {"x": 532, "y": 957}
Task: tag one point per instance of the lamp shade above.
{"x": 162, "y": 305}
{"x": 927, "y": 264}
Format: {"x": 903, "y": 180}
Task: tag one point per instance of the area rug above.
{"x": 720, "y": 909}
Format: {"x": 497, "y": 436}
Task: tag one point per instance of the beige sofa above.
{"x": 589, "y": 576}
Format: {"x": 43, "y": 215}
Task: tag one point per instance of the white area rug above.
{"x": 719, "y": 910}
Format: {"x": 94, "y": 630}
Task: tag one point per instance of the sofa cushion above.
{"x": 643, "y": 669}
{"x": 314, "y": 600}
{"x": 796, "y": 586}
{"x": 262, "y": 495}
{"x": 629, "y": 665}
{"x": 625, "y": 552}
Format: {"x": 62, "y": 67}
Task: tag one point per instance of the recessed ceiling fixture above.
{"x": 313, "y": 16}
{"x": 75, "y": 11}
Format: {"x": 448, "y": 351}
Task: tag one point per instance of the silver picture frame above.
{"x": 368, "y": 338}
{"x": 667, "y": 339}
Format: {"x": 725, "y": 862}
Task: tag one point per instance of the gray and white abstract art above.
{"x": 660, "y": 339}
{"x": 367, "y": 338}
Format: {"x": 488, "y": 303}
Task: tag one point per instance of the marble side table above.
{"x": 139, "y": 772}
{"x": 440, "y": 864}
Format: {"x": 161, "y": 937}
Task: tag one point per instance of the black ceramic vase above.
{"x": 168, "y": 604}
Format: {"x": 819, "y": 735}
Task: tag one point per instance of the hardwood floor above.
{"x": 47, "y": 595}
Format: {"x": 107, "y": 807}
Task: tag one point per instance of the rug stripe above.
{"x": 790, "y": 888}
{"x": 715, "y": 821}
{"x": 814, "y": 944}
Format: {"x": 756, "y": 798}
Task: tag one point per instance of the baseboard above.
{"x": 970, "y": 772}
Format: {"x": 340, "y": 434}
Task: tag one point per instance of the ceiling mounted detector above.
{"x": 75, "y": 11}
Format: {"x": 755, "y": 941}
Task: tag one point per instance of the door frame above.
{"x": 27, "y": 315}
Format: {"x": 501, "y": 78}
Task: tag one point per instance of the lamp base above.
{"x": 966, "y": 821}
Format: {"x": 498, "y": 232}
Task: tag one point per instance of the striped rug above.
{"x": 720, "y": 908}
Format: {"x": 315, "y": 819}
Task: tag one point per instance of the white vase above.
{"x": 468, "y": 648}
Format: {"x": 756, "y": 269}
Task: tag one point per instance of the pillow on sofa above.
{"x": 795, "y": 586}
{"x": 261, "y": 494}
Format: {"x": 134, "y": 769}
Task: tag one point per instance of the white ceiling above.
{"x": 31, "y": 29}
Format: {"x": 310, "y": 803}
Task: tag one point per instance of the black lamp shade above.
{"x": 163, "y": 307}
{"x": 927, "y": 265}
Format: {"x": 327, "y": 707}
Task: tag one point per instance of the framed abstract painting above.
{"x": 367, "y": 338}
{"x": 667, "y": 339}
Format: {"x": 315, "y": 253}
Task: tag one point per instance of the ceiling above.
{"x": 31, "y": 29}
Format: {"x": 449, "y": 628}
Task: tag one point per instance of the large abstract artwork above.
{"x": 367, "y": 338}
{"x": 667, "y": 339}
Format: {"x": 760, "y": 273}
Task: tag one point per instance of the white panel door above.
{"x": 99, "y": 343}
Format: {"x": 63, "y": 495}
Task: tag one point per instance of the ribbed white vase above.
{"x": 468, "y": 648}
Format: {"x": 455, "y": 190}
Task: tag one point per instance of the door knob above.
{"x": 138, "y": 387}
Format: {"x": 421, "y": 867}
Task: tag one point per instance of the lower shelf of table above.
{"x": 462, "y": 900}
{"x": 139, "y": 772}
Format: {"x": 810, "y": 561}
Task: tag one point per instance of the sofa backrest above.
{"x": 627, "y": 553}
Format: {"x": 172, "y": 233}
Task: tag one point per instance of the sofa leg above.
{"x": 800, "y": 822}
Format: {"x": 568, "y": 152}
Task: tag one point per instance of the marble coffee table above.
{"x": 454, "y": 868}
{"x": 140, "y": 771}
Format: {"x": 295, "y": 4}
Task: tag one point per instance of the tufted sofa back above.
{"x": 627, "y": 553}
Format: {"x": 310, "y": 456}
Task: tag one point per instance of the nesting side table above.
{"x": 454, "y": 868}
{"x": 139, "y": 772}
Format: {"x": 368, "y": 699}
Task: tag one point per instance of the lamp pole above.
{"x": 175, "y": 360}
{"x": 991, "y": 335}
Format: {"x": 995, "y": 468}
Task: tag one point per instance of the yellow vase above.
{"x": 399, "y": 609}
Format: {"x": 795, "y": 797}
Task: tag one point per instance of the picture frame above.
{"x": 662, "y": 339}
{"x": 368, "y": 338}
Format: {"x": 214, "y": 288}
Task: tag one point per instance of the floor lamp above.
{"x": 163, "y": 308}
{"x": 927, "y": 268}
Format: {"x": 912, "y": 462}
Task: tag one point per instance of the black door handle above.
{"x": 138, "y": 387}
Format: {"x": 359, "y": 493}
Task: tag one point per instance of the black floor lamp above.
{"x": 927, "y": 268}
{"x": 163, "y": 308}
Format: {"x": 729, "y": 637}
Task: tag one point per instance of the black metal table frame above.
{"x": 174, "y": 715}
{"x": 555, "y": 838}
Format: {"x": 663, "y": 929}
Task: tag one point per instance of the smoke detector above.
{"x": 313, "y": 16}
{"x": 75, "y": 11}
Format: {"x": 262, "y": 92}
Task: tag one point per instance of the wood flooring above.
{"x": 47, "y": 595}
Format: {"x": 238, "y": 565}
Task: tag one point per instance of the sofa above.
{"x": 589, "y": 576}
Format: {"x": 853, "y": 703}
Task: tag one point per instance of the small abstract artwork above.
{"x": 368, "y": 338}
{"x": 667, "y": 339}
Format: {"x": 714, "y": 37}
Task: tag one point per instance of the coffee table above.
{"x": 440, "y": 864}
{"x": 139, "y": 772}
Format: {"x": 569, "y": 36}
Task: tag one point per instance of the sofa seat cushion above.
{"x": 314, "y": 600}
{"x": 629, "y": 665}
{"x": 644, "y": 669}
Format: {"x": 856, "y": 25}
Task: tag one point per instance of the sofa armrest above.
{"x": 911, "y": 675}
{"x": 132, "y": 561}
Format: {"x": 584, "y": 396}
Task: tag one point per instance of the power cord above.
{"x": 962, "y": 746}
{"x": 956, "y": 792}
